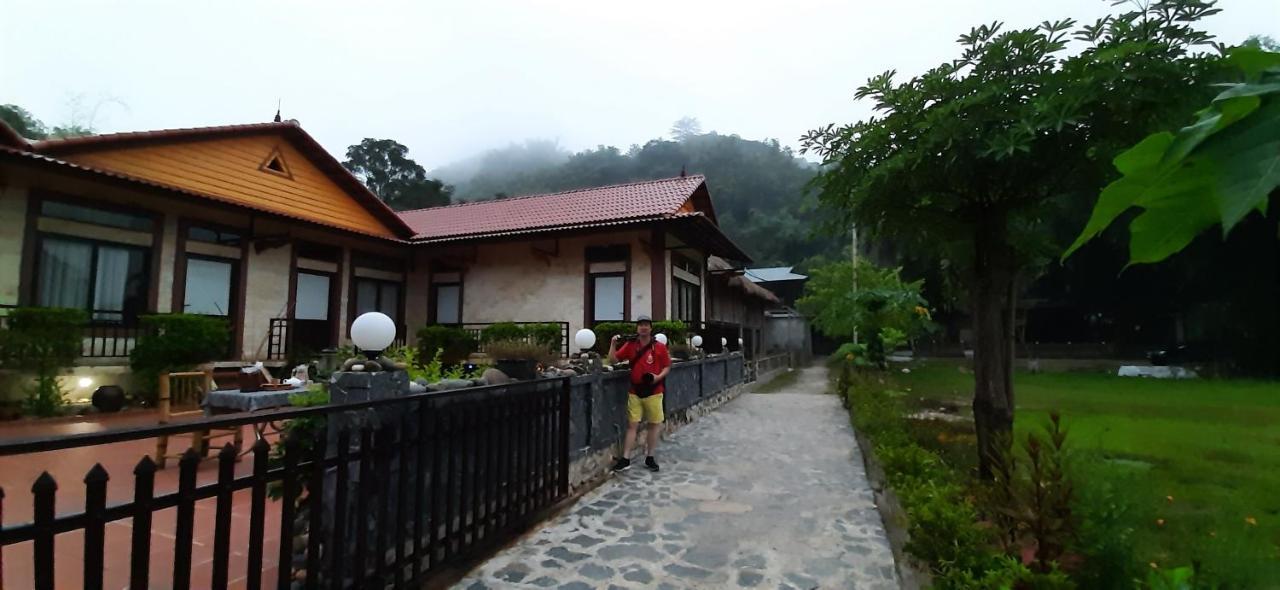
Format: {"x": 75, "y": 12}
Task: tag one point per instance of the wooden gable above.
{"x": 262, "y": 171}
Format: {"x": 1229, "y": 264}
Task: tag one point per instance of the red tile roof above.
{"x": 589, "y": 207}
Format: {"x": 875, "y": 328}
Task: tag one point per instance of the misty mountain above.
{"x": 759, "y": 187}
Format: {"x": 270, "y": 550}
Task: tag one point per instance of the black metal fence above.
{"x": 371, "y": 494}
{"x": 383, "y": 493}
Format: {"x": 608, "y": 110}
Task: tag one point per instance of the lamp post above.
{"x": 586, "y": 340}
{"x": 372, "y": 333}
{"x": 696, "y": 341}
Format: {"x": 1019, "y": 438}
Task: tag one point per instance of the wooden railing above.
{"x": 383, "y": 492}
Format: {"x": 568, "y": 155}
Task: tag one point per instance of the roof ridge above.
{"x": 553, "y": 194}
{"x": 101, "y": 137}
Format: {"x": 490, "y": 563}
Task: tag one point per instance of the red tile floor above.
{"x": 68, "y": 468}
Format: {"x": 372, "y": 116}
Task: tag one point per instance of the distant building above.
{"x": 781, "y": 280}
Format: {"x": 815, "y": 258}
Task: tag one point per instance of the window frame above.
{"x": 433, "y": 315}
{"x": 95, "y": 245}
{"x": 232, "y": 288}
{"x": 399, "y": 287}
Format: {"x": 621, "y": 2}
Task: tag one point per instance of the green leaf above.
{"x": 1176, "y": 211}
{"x": 1138, "y": 164}
{"x": 1248, "y": 158}
{"x": 1212, "y": 120}
{"x": 1253, "y": 60}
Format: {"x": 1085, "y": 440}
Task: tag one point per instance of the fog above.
{"x": 454, "y": 79}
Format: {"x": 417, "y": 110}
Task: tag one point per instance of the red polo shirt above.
{"x": 654, "y": 361}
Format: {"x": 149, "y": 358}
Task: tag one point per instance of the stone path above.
{"x": 769, "y": 491}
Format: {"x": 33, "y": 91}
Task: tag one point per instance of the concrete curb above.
{"x": 912, "y": 574}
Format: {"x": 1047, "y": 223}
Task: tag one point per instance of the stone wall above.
{"x": 598, "y": 415}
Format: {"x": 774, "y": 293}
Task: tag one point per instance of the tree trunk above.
{"x": 993, "y": 330}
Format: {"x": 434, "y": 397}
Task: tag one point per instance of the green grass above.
{"x": 1212, "y": 445}
{"x": 780, "y": 382}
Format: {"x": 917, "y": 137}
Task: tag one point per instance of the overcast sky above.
{"x": 450, "y": 79}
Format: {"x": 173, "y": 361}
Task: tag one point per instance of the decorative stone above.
{"x": 513, "y": 573}
{"x": 596, "y": 572}
{"x": 638, "y": 575}
{"x": 493, "y": 376}
{"x": 748, "y": 579}
{"x": 684, "y": 571}
{"x": 447, "y": 384}
{"x": 637, "y": 552}
{"x": 566, "y": 555}
{"x": 584, "y": 541}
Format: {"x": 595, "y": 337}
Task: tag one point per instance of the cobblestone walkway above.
{"x": 767, "y": 492}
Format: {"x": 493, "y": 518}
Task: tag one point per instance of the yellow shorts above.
{"x": 649, "y": 409}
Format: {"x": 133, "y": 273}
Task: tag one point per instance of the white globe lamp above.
{"x": 696, "y": 341}
{"x": 661, "y": 338}
{"x": 724, "y": 342}
{"x": 373, "y": 332}
{"x": 739, "y": 343}
{"x": 585, "y": 339}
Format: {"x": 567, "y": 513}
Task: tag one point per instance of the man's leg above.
{"x": 655, "y": 431}
{"x": 654, "y": 416}
{"x": 629, "y": 442}
{"x": 634, "y": 415}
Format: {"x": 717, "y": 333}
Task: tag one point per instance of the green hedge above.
{"x": 454, "y": 344}
{"x": 546, "y": 334}
{"x": 44, "y": 342}
{"x": 502, "y": 331}
{"x": 176, "y": 342}
{"x": 676, "y": 331}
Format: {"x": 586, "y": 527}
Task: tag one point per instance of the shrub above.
{"x": 176, "y": 342}
{"x": 502, "y": 331}
{"x": 454, "y": 343}
{"x": 517, "y": 350}
{"x": 677, "y": 332}
{"x": 607, "y": 330}
{"x": 44, "y": 342}
{"x": 548, "y": 335}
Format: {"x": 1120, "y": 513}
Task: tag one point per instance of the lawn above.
{"x": 1212, "y": 446}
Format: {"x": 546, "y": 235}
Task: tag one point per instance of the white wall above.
{"x": 511, "y": 282}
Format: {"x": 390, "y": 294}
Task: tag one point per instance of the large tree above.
{"x": 386, "y": 168}
{"x": 22, "y": 121}
{"x": 970, "y": 161}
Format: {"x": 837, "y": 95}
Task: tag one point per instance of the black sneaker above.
{"x": 650, "y": 464}
{"x": 622, "y": 464}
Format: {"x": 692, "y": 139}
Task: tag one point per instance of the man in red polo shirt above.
{"x": 650, "y": 363}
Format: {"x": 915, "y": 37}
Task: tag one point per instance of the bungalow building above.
{"x": 260, "y": 225}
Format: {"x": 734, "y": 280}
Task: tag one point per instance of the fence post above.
{"x": 566, "y": 402}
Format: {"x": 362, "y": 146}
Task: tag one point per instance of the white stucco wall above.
{"x": 512, "y": 282}
{"x": 266, "y": 296}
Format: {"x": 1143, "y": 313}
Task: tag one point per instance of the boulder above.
{"x": 494, "y": 377}
{"x": 447, "y": 384}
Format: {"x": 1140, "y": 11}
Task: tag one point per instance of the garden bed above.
{"x": 1169, "y": 474}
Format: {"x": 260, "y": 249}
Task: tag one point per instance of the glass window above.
{"x": 448, "y": 304}
{"x": 94, "y": 215}
{"x": 107, "y": 280}
{"x": 209, "y": 284}
{"x": 312, "y": 301}
{"x": 688, "y": 301}
{"x": 608, "y": 298}
{"x": 376, "y": 295}
{"x": 212, "y": 236}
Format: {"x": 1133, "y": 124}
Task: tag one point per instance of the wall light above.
{"x": 85, "y": 382}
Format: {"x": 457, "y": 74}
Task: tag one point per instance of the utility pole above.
{"x": 853, "y": 230}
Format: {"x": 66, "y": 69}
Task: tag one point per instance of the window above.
{"x": 380, "y": 296}
{"x": 209, "y": 285}
{"x": 312, "y": 301}
{"x": 448, "y": 301}
{"x": 607, "y": 268}
{"x": 686, "y": 301}
{"x": 107, "y": 280}
{"x": 211, "y": 235}
{"x": 608, "y": 298}
{"x": 94, "y": 215}
{"x": 275, "y": 164}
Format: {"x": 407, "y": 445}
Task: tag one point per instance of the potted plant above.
{"x": 518, "y": 359}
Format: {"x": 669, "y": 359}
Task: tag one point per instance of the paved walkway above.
{"x": 766, "y": 492}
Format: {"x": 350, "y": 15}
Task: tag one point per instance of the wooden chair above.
{"x": 182, "y": 394}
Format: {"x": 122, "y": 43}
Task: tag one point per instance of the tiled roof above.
{"x": 589, "y": 207}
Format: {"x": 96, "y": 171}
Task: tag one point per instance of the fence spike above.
{"x": 97, "y": 474}
{"x": 146, "y": 465}
{"x": 44, "y": 484}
